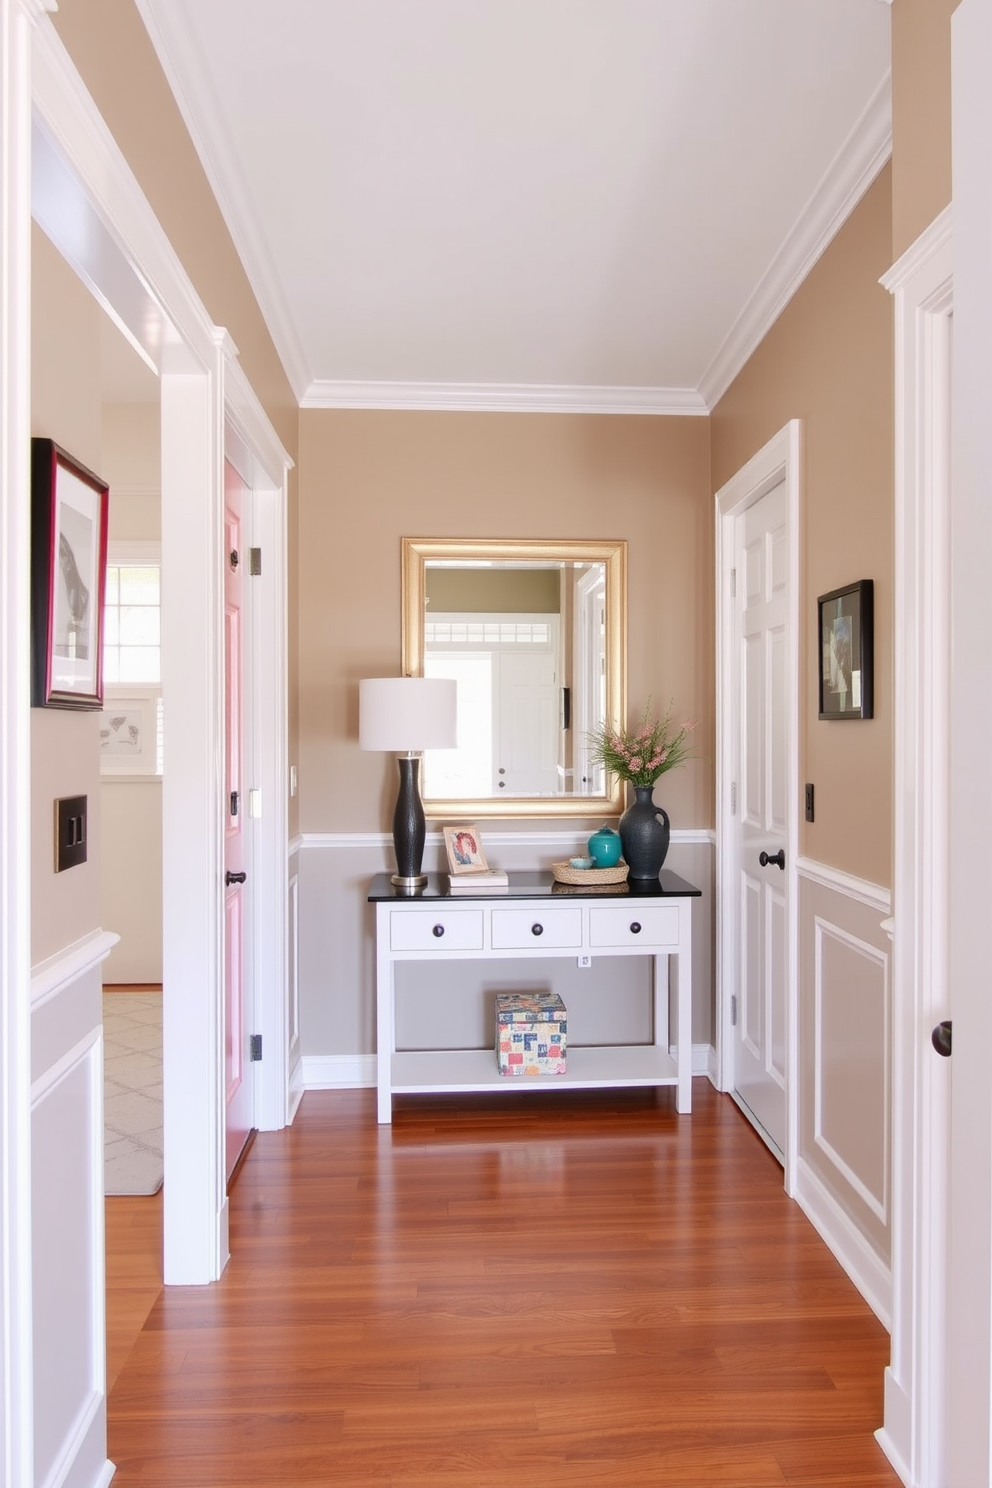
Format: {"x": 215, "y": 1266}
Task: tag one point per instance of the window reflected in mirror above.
{"x": 533, "y": 634}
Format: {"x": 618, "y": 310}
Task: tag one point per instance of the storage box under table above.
{"x": 530, "y": 1033}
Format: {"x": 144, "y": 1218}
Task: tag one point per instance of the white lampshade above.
{"x": 401, "y": 715}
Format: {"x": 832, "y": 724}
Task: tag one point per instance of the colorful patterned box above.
{"x": 530, "y": 1033}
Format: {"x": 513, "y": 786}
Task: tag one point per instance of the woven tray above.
{"x": 566, "y": 874}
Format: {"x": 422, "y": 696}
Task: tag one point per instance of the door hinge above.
{"x": 254, "y": 562}
{"x": 733, "y": 798}
{"x": 256, "y": 1047}
{"x": 254, "y": 802}
{"x": 733, "y": 1010}
{"x": 733, "y": 583}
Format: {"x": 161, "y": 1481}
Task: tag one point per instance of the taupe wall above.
{"x": 115, "y": 58}
{"x": 921, "y": 116}
{"x": 65, "y": 406}
{"x": 131, "y": 859}
{"x": 828, "y": 361}
{"x": 368, "y": 479}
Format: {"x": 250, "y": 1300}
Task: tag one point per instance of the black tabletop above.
{"x": 539, "y": 885}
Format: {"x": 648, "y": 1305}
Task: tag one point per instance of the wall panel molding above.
{"x": 861, "y": 889}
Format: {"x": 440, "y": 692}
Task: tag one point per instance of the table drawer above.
{"x": 634, "y": 925}
{"x": 437, "y": 930}
{"x": 537, "y": 929}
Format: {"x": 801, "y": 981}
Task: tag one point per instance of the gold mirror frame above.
{"x": 417, "y": 552}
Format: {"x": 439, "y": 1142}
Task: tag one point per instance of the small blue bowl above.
{"x": 582, "y": 862}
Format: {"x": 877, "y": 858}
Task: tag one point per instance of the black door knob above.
{"x": 233, "y": 878}
{"x": 777, "y": 858}
{"x": 941, "y": 1038}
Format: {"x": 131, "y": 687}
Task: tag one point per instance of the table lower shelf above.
{"x": 431, "y": 1071}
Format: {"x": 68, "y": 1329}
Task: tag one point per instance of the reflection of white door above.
{"x": 526, "y": 723}
{"x": 589, "y": 691}
{"x": 761, "y": 1029}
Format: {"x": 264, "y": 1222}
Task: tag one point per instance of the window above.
{"x": 131, "y": 723}
{"x": 132, "y": 649}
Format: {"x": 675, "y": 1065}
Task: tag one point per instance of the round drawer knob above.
{"x": 635, "y": 928}
{"x": 537, "y": 929}
{"x": 439, "y": 930}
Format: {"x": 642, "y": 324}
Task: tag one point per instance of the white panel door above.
{"x": 527, "y": 726}
{"x": 760, "y": 1033}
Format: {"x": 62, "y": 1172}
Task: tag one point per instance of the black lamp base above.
{"x": 409, "y": 826}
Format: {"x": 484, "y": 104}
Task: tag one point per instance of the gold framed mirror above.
{"x": 535, "y": 633}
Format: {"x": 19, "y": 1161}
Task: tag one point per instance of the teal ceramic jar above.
{"x": 605, "y": 847}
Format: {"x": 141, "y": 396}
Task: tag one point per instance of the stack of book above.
{"x": 489, "y": 882}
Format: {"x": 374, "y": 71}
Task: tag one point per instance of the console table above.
{"x": 537, "y": 917}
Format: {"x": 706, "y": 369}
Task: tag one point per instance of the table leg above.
{"x": 683, "y": 1100}
{"x": 384, "y": 997}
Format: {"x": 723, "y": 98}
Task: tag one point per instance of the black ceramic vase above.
{"x": 644, "y": 831}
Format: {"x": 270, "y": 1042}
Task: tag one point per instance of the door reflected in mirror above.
{"x": 533, "y": 633}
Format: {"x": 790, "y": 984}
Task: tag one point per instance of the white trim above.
{"x": 779, "y": 460}
{"x": 922, "y": 284}
{"x": 865, "y": 892}
{"x": 50, "y": 977}
{"x": 853, "y": 169}
{"x": 17, "y": 21}
{"x": 827, "y": 929}
{"x": 863, "y": 1265}
{"x": 338, "y": 1071}
{"x": 358, "y": 1071}
{"x": 160, "y": 314}
{"x": 295, "y": 843}
{"x": 172, "y": 37}
{"x": 557, "y": 841}
{"x": 504, "y": 397}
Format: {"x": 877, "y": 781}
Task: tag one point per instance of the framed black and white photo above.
{"x": 130, "y": 733}
{"x": 845, "y": 640}
{"x": 69, "y": 508}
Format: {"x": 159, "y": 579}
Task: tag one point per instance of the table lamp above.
{"x": 404, "y": 716}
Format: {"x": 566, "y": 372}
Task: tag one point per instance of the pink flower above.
{"x": 636, "y": 762}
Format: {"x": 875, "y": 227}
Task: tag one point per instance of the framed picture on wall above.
{"x": 130, "y": 733}
{"x": 846, "y": 624}
{"x": 69, "y": 507}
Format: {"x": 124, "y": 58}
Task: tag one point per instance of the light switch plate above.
{"x": 71, "y": 832}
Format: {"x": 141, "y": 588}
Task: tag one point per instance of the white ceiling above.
{"x": 499, "y": 203}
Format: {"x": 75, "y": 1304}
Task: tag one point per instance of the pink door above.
{"x": 237, "y": 1083}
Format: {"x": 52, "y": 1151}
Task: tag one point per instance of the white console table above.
{"x": 537, "y": 918}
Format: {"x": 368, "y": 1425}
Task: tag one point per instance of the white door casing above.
{"x": 97, "y": 217}
{"x": 969, "y": 898}
{"x": 922, "y": 283}
{"x": 761, "y": 592}
{"x": 777, "y": 462}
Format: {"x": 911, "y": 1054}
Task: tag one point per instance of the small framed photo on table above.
{"x": 464, "y": 848}
{"x": 846, "y": 643}
{"x": 69, "y": 506}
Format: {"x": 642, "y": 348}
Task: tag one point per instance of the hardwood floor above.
{"x": 581, "y": 1289}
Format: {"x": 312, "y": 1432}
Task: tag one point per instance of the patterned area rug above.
{"x": 132, "y": 1092}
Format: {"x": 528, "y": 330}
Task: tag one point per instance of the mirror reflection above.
{"x": 533, "y": 635}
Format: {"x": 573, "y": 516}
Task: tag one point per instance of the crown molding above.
{"x": 847, "y": 178}
{"x": 499, "y": 397}
{"x": 172, "y": 40}
{"x": 928, "y": 245}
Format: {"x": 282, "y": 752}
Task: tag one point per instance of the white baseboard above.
{"x": 358, "y": 1071}
{"x": 870, "y": 1274}
{"x": 896, "y": 1436}
{"x": 338, "y": 1071}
